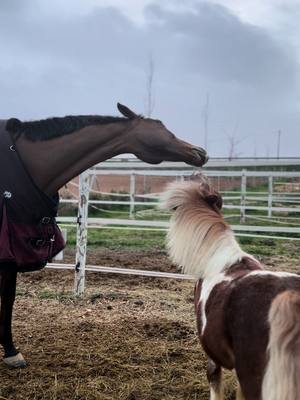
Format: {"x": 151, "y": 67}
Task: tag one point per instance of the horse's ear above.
{"x": 126, "y": 111}
{"x": 13, "y": 125}
{"x": 214, "y": 200}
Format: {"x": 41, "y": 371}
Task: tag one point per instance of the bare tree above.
{"x": 234, "y": 142}
{"x": 150, "y": 103}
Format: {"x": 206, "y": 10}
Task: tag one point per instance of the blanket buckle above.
{"x": 45, "y": 220}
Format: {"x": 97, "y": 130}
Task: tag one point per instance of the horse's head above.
{"x": 153, "y": 143}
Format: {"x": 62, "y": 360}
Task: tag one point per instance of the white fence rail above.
{"x": 275, "y": 202}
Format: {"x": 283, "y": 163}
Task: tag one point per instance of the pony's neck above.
{"x": 53, "y": 163}
{"x": 221, "y": 255}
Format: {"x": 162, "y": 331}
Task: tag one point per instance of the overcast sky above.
{"x": 62, "y": 57}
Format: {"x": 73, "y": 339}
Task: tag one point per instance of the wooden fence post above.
{"x": 81, "y": 242}
{"x": 243, "y": 196}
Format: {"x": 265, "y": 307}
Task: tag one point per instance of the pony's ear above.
{"x": 201, "y": 178}
{"x": 214, "y": 200}
{"x": 126, "y": 111}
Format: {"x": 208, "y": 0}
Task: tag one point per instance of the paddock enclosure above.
{"x": 133, "y": 337}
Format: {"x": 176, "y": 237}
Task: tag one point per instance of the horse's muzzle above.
{"x": 200, "y": 155}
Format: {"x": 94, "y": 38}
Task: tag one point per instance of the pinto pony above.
{"x": 248, "y": 318}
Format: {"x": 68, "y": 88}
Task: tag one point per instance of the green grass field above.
{"x": 130, "y": 240}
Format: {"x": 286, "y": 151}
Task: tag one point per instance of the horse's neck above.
{"x": 53, "y": 163}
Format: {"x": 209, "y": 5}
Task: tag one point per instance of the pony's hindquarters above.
{"x": 282, "y": 376}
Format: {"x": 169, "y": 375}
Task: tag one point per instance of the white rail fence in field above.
{"x": 241, "y": 199}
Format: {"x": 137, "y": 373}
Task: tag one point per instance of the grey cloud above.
{"x": 56, "y": 65}
{"x": 210, "y": 41}
{"x": 13, "y": 5}
{"x": 215, "y": 43}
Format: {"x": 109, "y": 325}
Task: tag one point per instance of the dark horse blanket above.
{"x": 29, "y": 236}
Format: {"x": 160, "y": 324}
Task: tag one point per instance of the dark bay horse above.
{"x": 248, "y": 318}
{"x": 56, "y": 150}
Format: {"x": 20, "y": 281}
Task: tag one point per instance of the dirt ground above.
{"x": 129, "y": 338}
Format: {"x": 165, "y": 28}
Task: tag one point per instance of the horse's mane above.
{"x": 46, "y": 129}
{"x": 199, "y": 239}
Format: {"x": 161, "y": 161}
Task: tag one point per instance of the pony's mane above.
{"x": 50, "y": 128}
{"x": 199, "y": 240}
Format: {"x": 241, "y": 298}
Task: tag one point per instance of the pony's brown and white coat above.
{"x": 247, "y": 318}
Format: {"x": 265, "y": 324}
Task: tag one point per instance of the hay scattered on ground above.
{"x": 130, "y": 338}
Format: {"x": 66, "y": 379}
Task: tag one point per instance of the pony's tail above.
{"x": 282, "y": 375}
